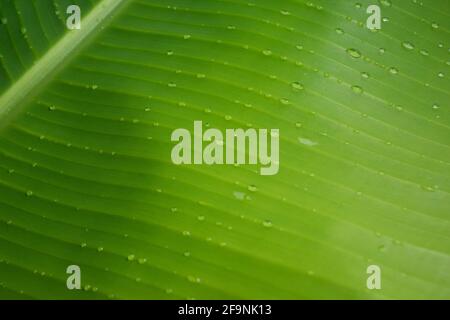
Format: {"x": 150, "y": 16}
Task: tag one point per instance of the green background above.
{"x": 86, "y": 176}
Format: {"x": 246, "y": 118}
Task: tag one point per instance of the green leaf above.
{"x": 86, "y": 176}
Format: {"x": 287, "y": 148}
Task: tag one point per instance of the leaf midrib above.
{"x": 42, "y": 71}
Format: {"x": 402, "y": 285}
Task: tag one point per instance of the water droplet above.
{"x": 267, "y": 223}
{"x": 386, "y": 3}
{"x": 434, "y": 25}
{"x": 357, "y": 89}
{"x": 298, "y": 124}
{"x": 267, "y": 52}
{"x": 52, "y": 108}
{"x": 299, "y": 47}
{"x": 435, "y": 106}
{"x": 424, "y": 52}
{"x": 393, "y": 70}
{"x": 285, "y": 13}
{"x": 201, "y": 218}
{"x": 142, "y": 260}
{"x": 187, "y": 36}
{"x": 307, "y": 142}
{"x": 83, "y": 245}
{"x": 172, "y": 85}
{"x": 252, "y": 188}
{"x": 441, "y": 75}
{"x": 297, "y": 85}
{"x": 407, "y": 45}
{"x": 381, "y": 50}
{"x": 365, "y": 75}
{"x": 187, "y": 254}
{"x": 339, "y": 31}
{"x": 284, "y": 101}
{"x": 131, "y": 257}
{"x": 100, "y": 249}
{"x": 354, "y": 53}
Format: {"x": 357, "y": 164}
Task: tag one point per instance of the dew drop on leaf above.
{"x": 357, "y": 89}
{"x": 267, "y": 223}
{"x": 354, "y": 53}
{"x": 407, "y": 45}
{"x": 393, "y": 70}
{"x": 297, "y": 85}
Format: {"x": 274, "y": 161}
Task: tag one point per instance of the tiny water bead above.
{"x": 424, "y": 52}
{"x": 365, "y": 75}
{"x": 435, "y": 106}
{"x": 357, "y": 89}
{"x": 354, "y": 53}
{"x": 386, "y": 3}
{"x": 267, "y": 223}
{"x": 393, "y": 70}
{"x": 29, "y": 193}
{"x": 131, "y": 257}
{"x": 434, "y": 25}
{"x": 252, "y": 188}
{"x": 267, "y": 52}
{"x": 408, "y": 45}
{"x": 296, "y": 85}
{"x": 284, "y": 101}
{"x": 339, "y": 31}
